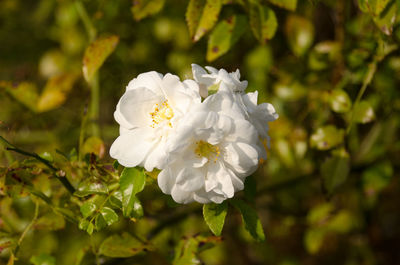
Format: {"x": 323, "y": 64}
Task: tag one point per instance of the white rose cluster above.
{"x": 205, "y": 135}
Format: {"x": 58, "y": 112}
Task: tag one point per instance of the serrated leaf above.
{"x": 43, "y": 259}
{"x": 122, "y": 246}
{"x": 363, "y": 112}
{"x": 88, "y": 208}
{"x": 339, "y": 101}
{"x": 55, "y": 92}
{"x": 201, "y": 16}
{"x": 214, "y": 215}
{"x": 263, "y": 22}
{"x": 326, "y": 137}
{"x": 224, "y": 36}
{"x": 335, "y": 170}
{"x": 109, "y": 215}
{"x": 250, "y": 219}
{"x": 132, "y": 181}
{"x": 145, "y": 8}
{"x": 96, "y": 54}
{"x": 299, "y": 33}
{"x": 287, "y": 4}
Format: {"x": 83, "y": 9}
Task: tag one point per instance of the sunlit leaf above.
{"x": 326, "y": 137}
{"x": 96, "y": 54}
{"x": 339, "y": 101}
{"x": 122, "y": 246}
{"x": 299, "y": 33}
{"x": 313, "y": 239}
{"x": 386, "y": 20}
{"x": 132, "y": 181}
{"x": 288, "y": 4}
{"x": 145, "y": 8}
{"x": 201, "y": 16}
{"x": 335, "y": 170}
{"x": 91, "y": 186}
{"x": 263, "y": 22}
{"x": 43, "y": 259}
{"x": 214, "y": 215}
{"x": 187, "y": 249}
{"x": 363, "y": 112}
{"x": 55, "y": 92}
{"x": 94, "y": 145}
{"x": 323, "y": 55}
{"x": 224, "y": 36}
{"x": 25, "y": 93}
{"x": 250, "y": 219}
{"x": 109, "y": 215}
{"x": 87, "y": 208}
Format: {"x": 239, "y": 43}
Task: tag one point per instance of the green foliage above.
{"x": 327, "y": 193}
{"x": 214, "y": 216}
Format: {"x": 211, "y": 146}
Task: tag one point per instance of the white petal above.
{"x": 135, "y": 107}
{"x": 190, "y": 179}
{"x": 156, "y": 157}
{"x": 151, "y": 80}
{"x": 166, "y": 180}
{"x": 242, "y": 157}
{"x": 181, "y": 196}
{"x": 131, "y": 149}
{"x": 244, "y": 131}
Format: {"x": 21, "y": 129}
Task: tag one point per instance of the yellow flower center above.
{"x": 161, "y": 113}
{"x": 204, "y": 149}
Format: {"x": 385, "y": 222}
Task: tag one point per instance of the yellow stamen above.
{"x": 161, "y": 113}
{"x": 207, "y": 150}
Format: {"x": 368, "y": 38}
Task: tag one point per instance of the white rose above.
{"x": 211, "y": 153}
{"x": 258, "y": 115}
{"x": 147, "y": 113}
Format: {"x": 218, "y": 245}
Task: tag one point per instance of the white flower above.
{"x": 258, "y": 115}
{"x": 211, "y": 153}
{"x": 147, "y": 113}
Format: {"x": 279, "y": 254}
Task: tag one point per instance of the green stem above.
{"x": 27, "y": 228}
{"x": 90, "y": 29}
{"x": 95, "y": 106}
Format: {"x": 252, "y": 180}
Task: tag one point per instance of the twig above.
{"x": 27, "y": 228}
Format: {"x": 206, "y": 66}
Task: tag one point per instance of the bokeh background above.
{"x": 329, "y": 191}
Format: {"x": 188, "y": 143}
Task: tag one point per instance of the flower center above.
{"x": 204, "y": 149}
{"x": 161, "y": 113}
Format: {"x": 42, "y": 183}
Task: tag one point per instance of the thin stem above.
{"x": 27, "y": 228}
{"x": 82, "y": 132}
{"x": 90, "y": 29}
{"x": 64, "y": 181}
{"x": 94, "y": 106}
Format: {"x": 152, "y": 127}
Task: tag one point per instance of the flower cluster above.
{"x": 205, "y": 135}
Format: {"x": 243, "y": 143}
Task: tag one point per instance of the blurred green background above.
{"x": 328, "y": 193}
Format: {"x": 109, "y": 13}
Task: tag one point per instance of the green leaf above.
{"x": 88, "y": 208}
{"x": 263, "y": 22}
{"x": 386, "y": 20}
{"x": 56, "y": 91}
{"x": 122, "y": 246}
{"x": 201, "y": 16}
{"x": 94, "y": 145}
{"x": 91, "y": 186}
{"x": 84, "y": 224}
{"x": 50, "y": 221}
{"x": 145, "y": 8}
{"x": 25, "y": 93}
{"x": 313, "y": 239}
{"x": 326, "y": 137}
{"x": 377, "y": 177}
{"x": 299, "y": 33}
{"x": 96, "y": 54}
{"x": 374, "y": 7}
{"x": 335, "y": 170}
{"x": 109, "y": 215}
{"x": 363, "y": 112}
{"x": 132, "y": 181}
{"x": 339, "y": 101}
{"x": 43, "y": 259}
{"x": 224, "y": 36}
{"x": 250, "y": 219}
{"x": 187, "y": 249}
{"x": 323, "y": 55}
{"x": 214, "y": 215}
{"x": 99, "y": 222}
{"x": 287, "y": 4}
